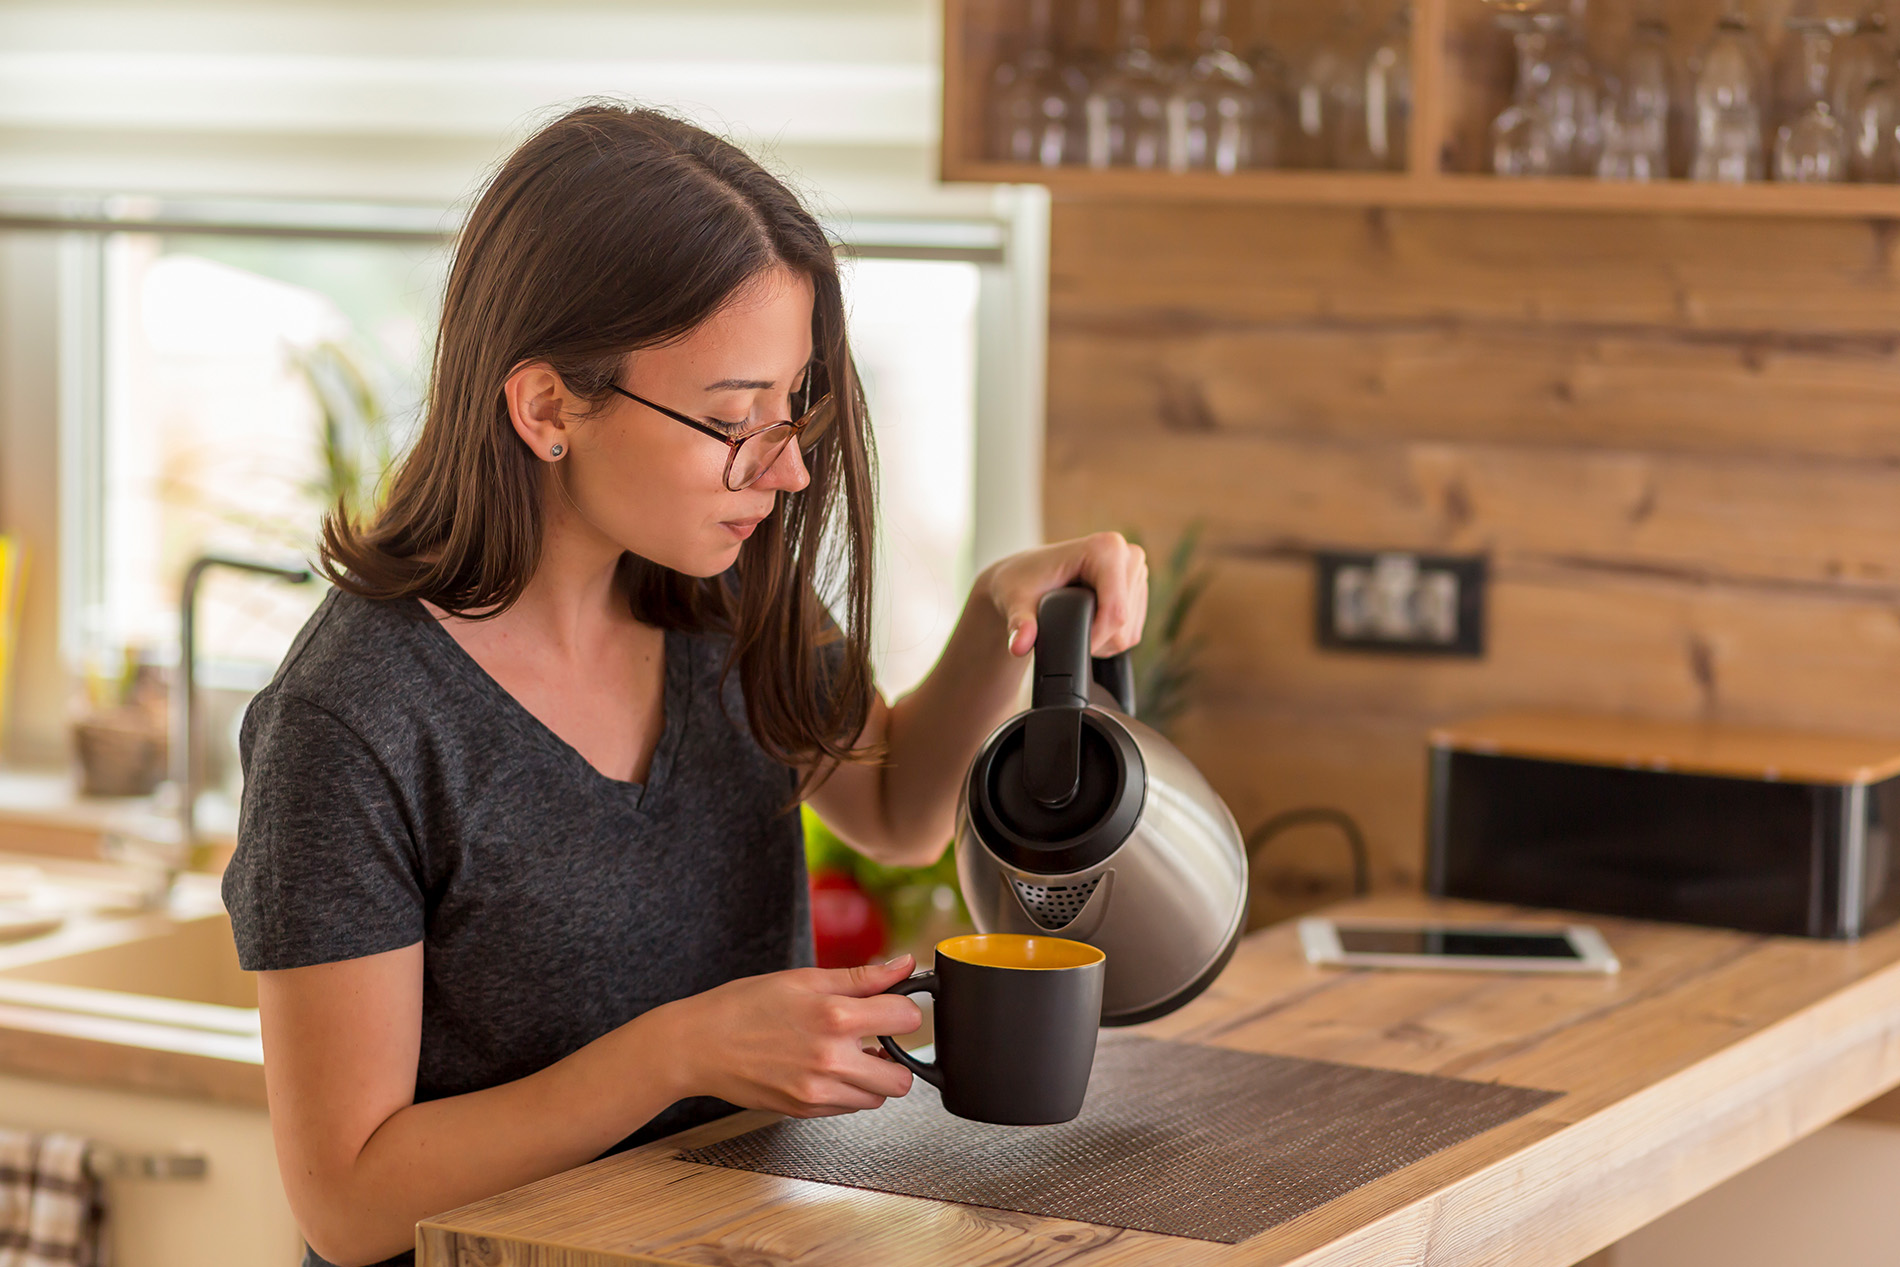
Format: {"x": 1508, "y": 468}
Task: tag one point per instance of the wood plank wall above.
{"x": 1677, "y": 438}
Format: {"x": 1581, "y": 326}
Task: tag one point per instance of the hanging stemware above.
{"x": 1033, "y": 112}
{"x": 1180, "y": 26}
{"x": 1728, "y": 101}
{"x": 1376, "y": 133}
{"x": 1810, "y": 141}
{"x": 1272, "y": 82}
{"x": 1082, "y": 49}
{"x": 1326, "y": 92}
{"x": 1873, "y": 135}
{"x": 1638, "y": 123}
{"x": 1213, "y": 122}
{"x": 1521, "y": 143}
{"x": 1862, "y": 56}
{"x": 1126, "y": 110}
{"x": 1573, "y": 97}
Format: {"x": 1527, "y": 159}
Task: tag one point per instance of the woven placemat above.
{"x": 1187, "y": 1141}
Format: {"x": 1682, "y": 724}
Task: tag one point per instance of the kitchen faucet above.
{"x": 187, "y": 767}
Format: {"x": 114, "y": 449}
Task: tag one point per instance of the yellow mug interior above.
{"x": 1019, "y": 950}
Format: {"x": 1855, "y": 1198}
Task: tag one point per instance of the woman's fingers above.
{"x": 1106, "y": 562}
{"x": 861, "y": 982}
{"x": 1118, "y": 570}
{"x": 1022, "y": 635}
{"x": 891, "y": 1014}
{"x": 867, "y": 1075}
{"x": 1136, "y": 619}
{"x": 852, "y": 1084}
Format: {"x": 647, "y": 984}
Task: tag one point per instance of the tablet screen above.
{"x": 1452, "y": 941}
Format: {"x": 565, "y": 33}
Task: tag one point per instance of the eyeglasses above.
{"x": 754, "y": 452}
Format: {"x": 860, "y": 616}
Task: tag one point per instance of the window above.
{"x": 246, "y": 378}
{"x": 913, "y": 331}
{"x": 223, "y": 360}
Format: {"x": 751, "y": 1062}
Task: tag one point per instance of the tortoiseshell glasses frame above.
{"x": 754, "y": 451}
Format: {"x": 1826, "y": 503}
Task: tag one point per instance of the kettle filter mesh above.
{"x": 1054, "y": 905}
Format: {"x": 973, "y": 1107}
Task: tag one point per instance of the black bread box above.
{"x": 1761, "y": 830}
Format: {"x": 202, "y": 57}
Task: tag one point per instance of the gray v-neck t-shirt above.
{"x": 394, "y": 793}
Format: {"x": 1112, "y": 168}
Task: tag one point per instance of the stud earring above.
{"x": 556, "y": 451}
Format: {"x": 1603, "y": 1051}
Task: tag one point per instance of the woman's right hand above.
{"x": 790, "y": 1041}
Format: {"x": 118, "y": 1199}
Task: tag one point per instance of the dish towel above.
{"x": 52, "y": 1212}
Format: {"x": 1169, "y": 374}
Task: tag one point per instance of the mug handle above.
{"x": 920, "y": 983}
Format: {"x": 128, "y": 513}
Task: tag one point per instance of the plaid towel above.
{"x": 51, "y": 1211}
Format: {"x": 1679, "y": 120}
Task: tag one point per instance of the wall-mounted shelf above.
{"x": 1461, "y": 75}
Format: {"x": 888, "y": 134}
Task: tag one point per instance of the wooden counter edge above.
{"x": 446, "y": 1247}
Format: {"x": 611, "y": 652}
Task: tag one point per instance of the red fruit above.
{"x": 846, "y": 928}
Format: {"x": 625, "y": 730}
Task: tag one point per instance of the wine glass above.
{"x": 1636, "y": 132}
{"x": 1326, "y": 91}
{"x": 1033, "y": 112}
{"x": 1873, "y": 135}
{"x": 1728, "y": 102}
{"x": 1272, "y": 78}
{"x": 1573, "y": 96}
{"x": 1179, "y": 28}
{"x": 1212, "y": 115}
{"x": 1126, "y": 109}
{"x": 1521, "y": 143}
{"x": 1082, "y": 56}
{"x": 1863, "y": 55}
{"x": 1810, "y": 143}
{"x": 1804, "y": 62}
{"x": 1375, "y": 134}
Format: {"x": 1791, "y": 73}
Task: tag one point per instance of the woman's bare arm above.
{"x": 362, "y": 1162}
{"x": 903, "y": 812}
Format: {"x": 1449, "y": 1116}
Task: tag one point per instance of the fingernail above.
{"x": 1010, "y": 642}
{"x": 894, "y": 962}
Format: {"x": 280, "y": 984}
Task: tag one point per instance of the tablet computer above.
{"x": 1364, "y": 943}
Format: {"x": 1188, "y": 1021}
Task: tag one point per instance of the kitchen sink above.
{"x": 191, "y": 961}
{"x": 131, "y": 1023}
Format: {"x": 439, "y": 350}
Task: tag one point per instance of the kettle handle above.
{"x": 1064, "y": 667}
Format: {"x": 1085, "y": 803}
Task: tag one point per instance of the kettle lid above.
{"x": 1059, "y": 788}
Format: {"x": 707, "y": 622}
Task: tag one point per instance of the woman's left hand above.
{"x": 1116, "y": 570}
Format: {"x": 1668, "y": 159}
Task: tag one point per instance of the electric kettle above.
{"x": 1078, "y": 821}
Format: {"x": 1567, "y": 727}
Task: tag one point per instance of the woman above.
{"x": 519, "y": 863}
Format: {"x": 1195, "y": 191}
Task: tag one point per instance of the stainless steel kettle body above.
{"x": 1078, "y": 821}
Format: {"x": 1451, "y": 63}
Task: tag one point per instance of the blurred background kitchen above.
{"x": 1558, "y": 366}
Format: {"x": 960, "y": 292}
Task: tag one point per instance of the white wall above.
{"x": 413, "y": 99}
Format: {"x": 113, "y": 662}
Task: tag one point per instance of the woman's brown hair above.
{"x": 611, "y": 230}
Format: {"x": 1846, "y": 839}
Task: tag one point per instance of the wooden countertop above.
{"x": 1710, "y": 1051}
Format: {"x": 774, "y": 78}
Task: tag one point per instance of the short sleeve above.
{"x": 326, "y": 867}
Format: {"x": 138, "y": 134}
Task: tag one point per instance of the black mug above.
{"x": 1016, "y": 1023}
